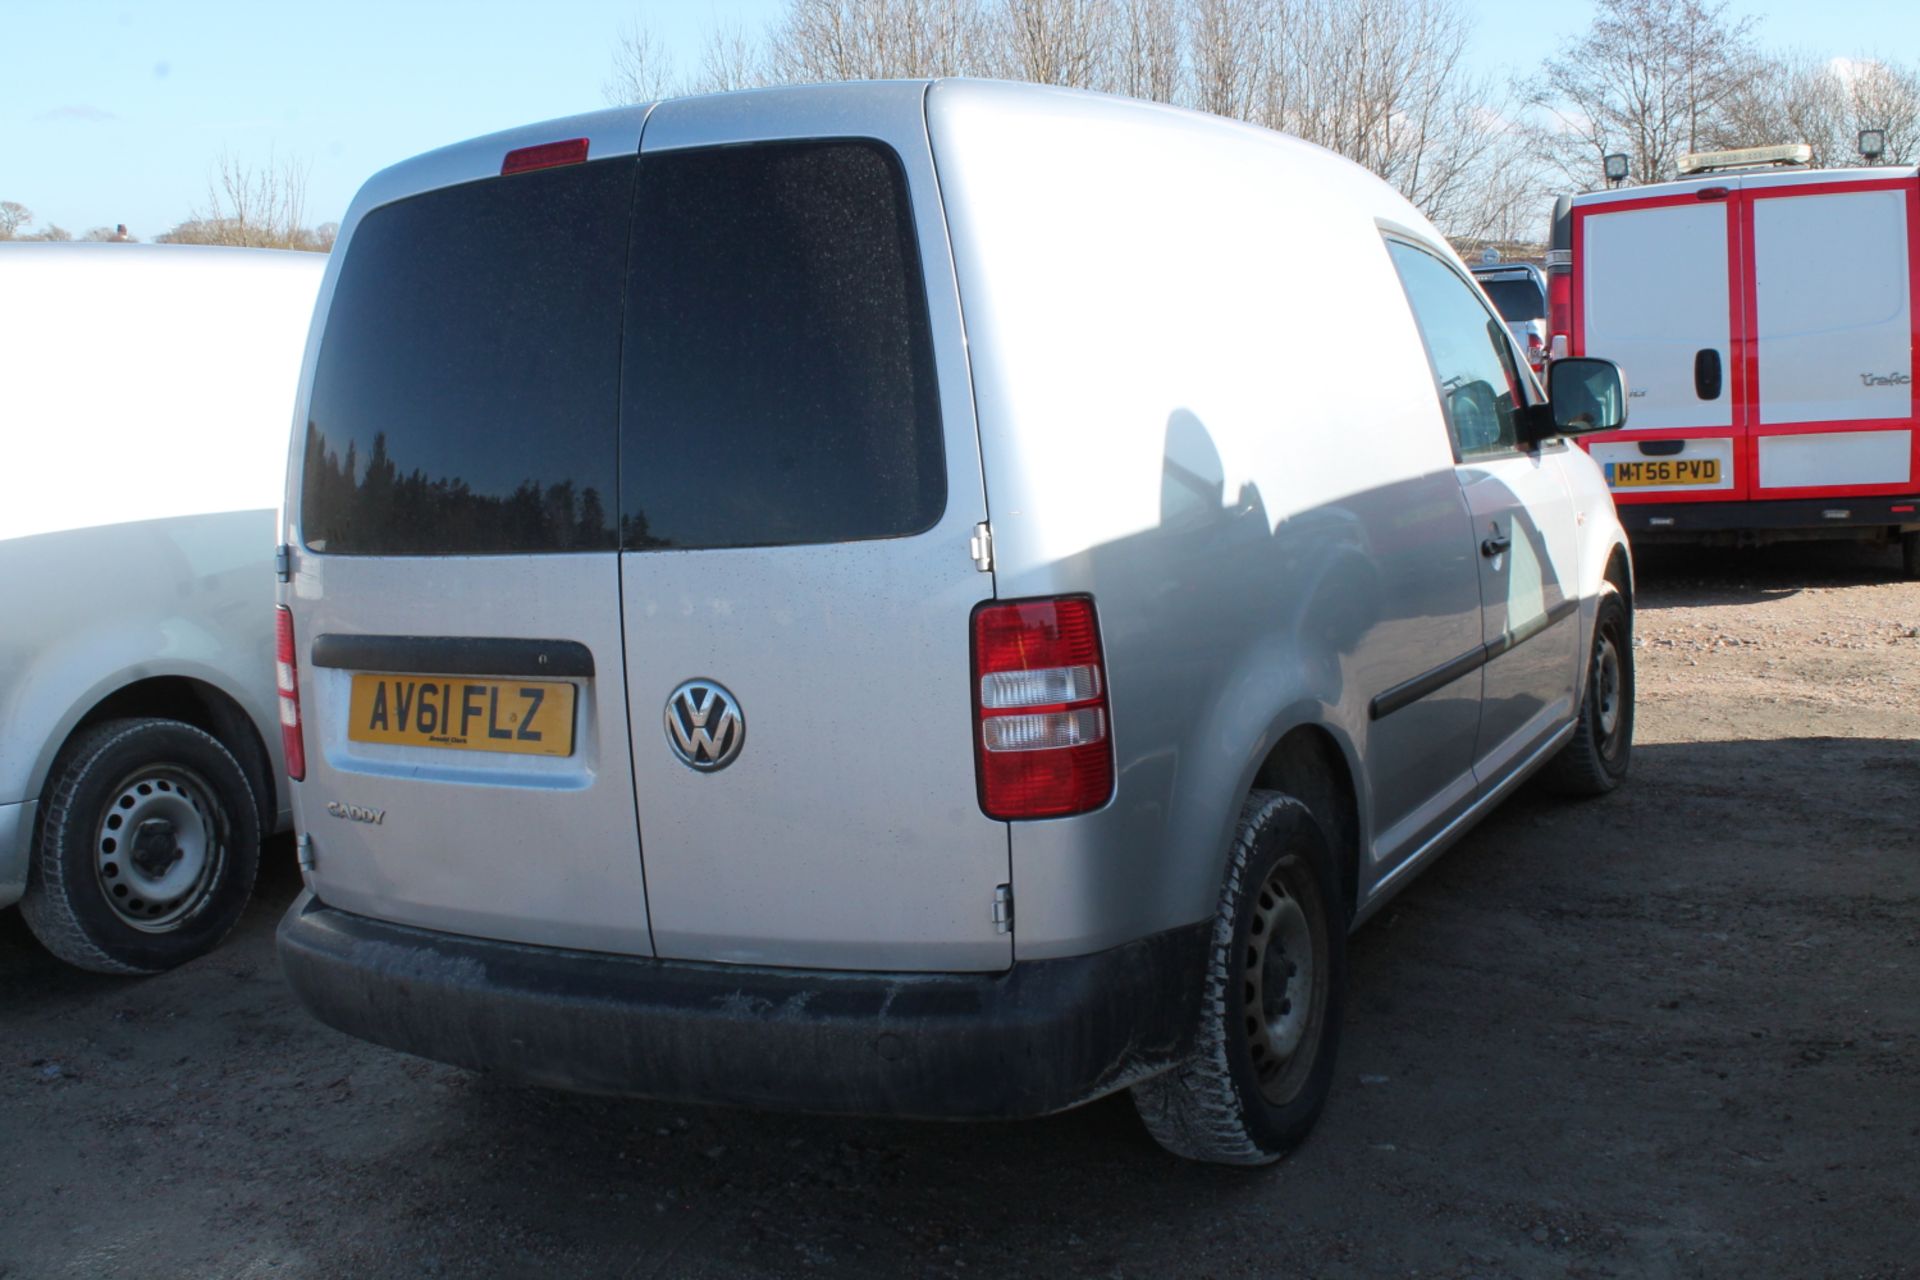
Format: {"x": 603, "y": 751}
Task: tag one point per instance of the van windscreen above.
{"x": 1517, "y": 299}
{"x": 779, "y": 385}
{"x": 465, "y": 398}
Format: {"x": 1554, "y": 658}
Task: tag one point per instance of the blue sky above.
{"x": 114, "y": 111}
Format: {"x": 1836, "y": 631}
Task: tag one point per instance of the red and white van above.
{"x": 1765, "y": 322}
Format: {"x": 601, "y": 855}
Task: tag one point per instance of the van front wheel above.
{"x": 146, "y": 849}
{"x": 1595, "y": 759}
{"x": 1262, "y": 1058}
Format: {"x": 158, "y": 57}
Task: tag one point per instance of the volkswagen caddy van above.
{"x": 902, "y": 598}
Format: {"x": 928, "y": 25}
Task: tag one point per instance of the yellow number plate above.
{"x": 1628, "y": 475}
{"x": 530, "y": 717}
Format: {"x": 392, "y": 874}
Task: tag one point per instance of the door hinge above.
{"x": 282, "y": 563}
{"x": 982, "y": 547}
{"x": 1003, "y": 908}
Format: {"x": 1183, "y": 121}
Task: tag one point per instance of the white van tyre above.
{"x": 146, "y": 848}
{"x": 1268, "y": 1028}
{"x": 1595, "y": 759}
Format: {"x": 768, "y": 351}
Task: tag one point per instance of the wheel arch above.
{"x": 203, "y": 705}
{"x": 1312, "y": 764}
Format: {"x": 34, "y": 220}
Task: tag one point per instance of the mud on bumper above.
{"x": 1040, "y": 1037}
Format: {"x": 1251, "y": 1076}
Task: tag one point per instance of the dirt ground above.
{"x": 1675, "y": 1032}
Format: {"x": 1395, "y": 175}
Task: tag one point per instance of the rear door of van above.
{"x": 800, "y": 490}
{"x": 1829, "y": 280}
{"x": 1655, "y": 290}
{"x": 455, "y": 597}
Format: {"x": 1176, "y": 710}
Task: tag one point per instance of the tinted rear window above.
{"x": 779, "y": 380}
{"x": 467, "y": 389}
{"x": 1517, "y": 300}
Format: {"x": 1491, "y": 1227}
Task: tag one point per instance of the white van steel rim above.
{"x": 157, "y": 851}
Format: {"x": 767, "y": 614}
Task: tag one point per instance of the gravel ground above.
{"x": 1674, "y": 1032}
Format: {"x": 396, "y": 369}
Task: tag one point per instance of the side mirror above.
{"x": 1584, "y": 395}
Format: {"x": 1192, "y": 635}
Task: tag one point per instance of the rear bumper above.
{"x": 1842, "y": 517}
{"x": 1040, "y": 1037}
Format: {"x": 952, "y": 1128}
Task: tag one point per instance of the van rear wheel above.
{"x": 1268, "y": 1026}
{"x": 146, "y": 850}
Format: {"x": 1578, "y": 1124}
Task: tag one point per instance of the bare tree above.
{"x": 820, "y": 40}
{"x": 1066, "y": 42}
{"x": 1146, "y": 61}
{"x": 1796, "y": 97}
{"x": 116, "y": 234}
{"x": 255, "y": 206}
{"x": 1650, "y": 78}
{"x": 1226, "y": 42}
{"x": 642, "y": 69}
{"x": 14, "y": 218}
{"x": 1883, "y": 96}
{"x": 732, "y": 59}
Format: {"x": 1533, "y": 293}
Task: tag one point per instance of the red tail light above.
{"x": 287, "y": 675}
{"x": 1042, "y": 729}
{"x": 1560, "y": 305}
{"x": 545, "y": 156}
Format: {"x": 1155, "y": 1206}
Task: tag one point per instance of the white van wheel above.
{"x": 1262, "y": 1059}
{"x": 146, "y": 848}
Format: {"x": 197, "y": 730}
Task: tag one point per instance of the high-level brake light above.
{"x": 546, "y": 155}
{"x": 1042, "y": 727}
{"x": 286, "y": 670}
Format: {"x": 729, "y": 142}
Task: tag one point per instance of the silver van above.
{"x": 902, "y": 598}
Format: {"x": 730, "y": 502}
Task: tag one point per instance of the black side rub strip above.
{"x": 454, "y": 655}
{"x": 1408, "y": 692}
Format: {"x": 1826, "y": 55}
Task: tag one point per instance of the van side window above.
{"x": 465, "y": 396}
{"x": 1467, "y": 343}
{"x": 779, "y": 381}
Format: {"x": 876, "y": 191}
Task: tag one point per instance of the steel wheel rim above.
{"x": 1607, "y": 686}
{"x": 159, "y": 849}
{"x": 1284, "y": 985}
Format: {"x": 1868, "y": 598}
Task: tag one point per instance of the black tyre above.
{"x": 146, "y": 848}
{"x": 1910, "y": 554}
{"x": 1595, "y": 759}
{"x": 1270, "y": 1011}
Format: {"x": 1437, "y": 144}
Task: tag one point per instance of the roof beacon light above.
{"x": 545, "y": 156}
{"x": 1746, "y": 158}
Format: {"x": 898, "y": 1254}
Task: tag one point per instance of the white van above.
{"x": 143, "y": 395}
{"x": 906, "y": 598}
{"x": 1765, "y": 318}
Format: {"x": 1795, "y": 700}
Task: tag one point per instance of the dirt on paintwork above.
{"x": 1673, "y": 1032}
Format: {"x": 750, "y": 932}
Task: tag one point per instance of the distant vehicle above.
{"x": 145, "y": 391}
{"x": 671, "y": 713}
{"x": 1765, "y": 319}
{"x": 1519, "y": 294}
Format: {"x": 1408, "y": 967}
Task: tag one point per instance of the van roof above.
{"x": 616, "y": 131}
{"x": 1758, "y": 177}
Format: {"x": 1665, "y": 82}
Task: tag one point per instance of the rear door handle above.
{"x": 1706, "y": 373}
{"x": 1491, "y": 547}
